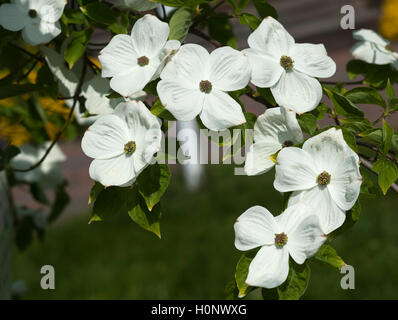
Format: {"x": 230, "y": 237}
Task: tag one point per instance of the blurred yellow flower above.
{"x": 389, "y": 19}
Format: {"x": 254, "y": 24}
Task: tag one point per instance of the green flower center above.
{"x": 286, "y": 63}
{"x": 280, "y": 239}
{"x": 323, "y": 178}
{"x": 32, "y": 13}
{"x": 129, "y": 148}
{"x": 287, "y": 143}
{"x": 388, "y": 47}
{"x": 205, "y": 86}
{"x": 143, "y": 61}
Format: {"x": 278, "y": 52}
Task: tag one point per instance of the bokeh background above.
{"x": 196, "y": 257}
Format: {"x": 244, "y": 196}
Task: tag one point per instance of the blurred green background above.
{"x": 196, "y": 257}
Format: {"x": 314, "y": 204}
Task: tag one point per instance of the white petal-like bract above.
{"x": 372, "y": 48}
{"x": 38, "y": 20}
{"x": 288, "y": 68}
{"x": 133, "y": 61}
{"x": 324, "y": 173}
{"x": 273, "y": 130}
{"x": 195, "y": 83}
{"x": 122, "y": 144}
{"x": 296, "y": 233}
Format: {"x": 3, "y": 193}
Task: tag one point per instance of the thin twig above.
{"x": 32, "y": 55}
{"x": 218, "y": 5}
{"x": 342, "y": 82}
{"x": 27, "y": 73}
{"x": 260, "y": 100}
{"x": 68, "y": 120}
{"x": 205, "y": 37}
{"x": 374, "y": 148}
{"x": 368, "y": 165}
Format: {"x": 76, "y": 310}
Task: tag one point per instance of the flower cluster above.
{"x": 323, "y": 175}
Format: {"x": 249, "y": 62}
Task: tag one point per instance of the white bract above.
{"x": 95, "y": 89}
{"x": 324, "y": 173}
{"x": 48, "y": 174}
{"x": 296, "y": 233}
{"x": 38, "y": 19}
{"x": 196, "y": 83}
{"x": 137, "y": 5}
{"x": 288, "y": 68}
{"x": 275, "y": 129}
{"x": 122, "y": 144}
{"x": 373, "y": 48}
{"x": 133, "y": 61}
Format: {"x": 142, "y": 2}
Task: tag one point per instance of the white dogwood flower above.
{"x": 122, "y": 144}
{"x": 38, "y": 19}
{"x": 373, "y": 48}
{"x": 288, "y": 68}
{"x": 296, "y": 233}
{"x": 48, "y": 174}
{"x": 196, "y": 83}
{"x": 133, "y": 61}
{"x": 137, "y": 5}
{"x": 275, "y": 129}
{"x": 95, "y": 89}
{"x": 324, "y": 173}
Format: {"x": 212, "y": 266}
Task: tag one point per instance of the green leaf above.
{"x": 77, "y": 46}
{"x": 387, "y": 171}
{"x": 393, "y": 105}
{"x": 327, "y": 254}
{"x": 72, "y": 16}
{"x": 320, "y": 111}
{"x": 242, "y": 5}
{"x": 390, "y": 92}
{"x": 220, "y": 29}
{"x": 139, "y": 213}
{"x": 95, "y": 191}
{"x": 356, "y": 124}
{"x": 180, "y": 23}
{"x": 269, "y": 294}
{"x": 100, "y": 12}
{"x": 308, "y": 123}
{"x": 264, "y": 9}
{"x": 61, "y": 201}
{"x": 38, "y": 193}
{"x": 110, "y": 202}
{"x": 365, "y": 95}
{"x": 349, "y": 138}
{"x": 160, "y": 111}
{"x": 368, "y": 187}
{"x": 267, "y": 95}
{"x": 242, "y": 270}
{"x": 387, "y": 137}
{"x": 373, "y": 135}
{"x": 296, "y": 283}
{"x": 12, "y": 90}
{"x": 153, "y": 182}
{"x": 151, "y": 87}
{"x": 231, "y": 290}
{"x": 342, "y": 105}
{"x": 375, "y": 75}
{"x": 250, "y": 20}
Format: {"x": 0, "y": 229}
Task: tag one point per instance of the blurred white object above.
{"x": 188, "y": 135}
{"x": 48, "y": 174}
{"x": 160, "y": 12}
{"x": 95, "y": 89}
